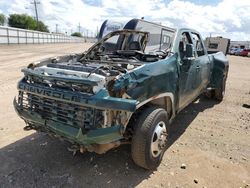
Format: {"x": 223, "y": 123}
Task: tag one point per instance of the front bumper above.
{"x": 97, "y": 136}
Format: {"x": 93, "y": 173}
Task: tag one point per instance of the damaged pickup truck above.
{"x": 126, "y": 89}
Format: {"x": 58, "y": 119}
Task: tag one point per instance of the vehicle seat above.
{"x": 135, "y": 45}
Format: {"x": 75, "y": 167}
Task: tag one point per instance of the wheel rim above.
{"x": 159, "y": 139}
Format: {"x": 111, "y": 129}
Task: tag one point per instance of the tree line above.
{"x": 25, "y": 21}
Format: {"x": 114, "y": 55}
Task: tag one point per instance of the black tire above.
{"x": 144, "y": 135}
{"x": 219, "y": 93}
{"x": 209, "y": 94}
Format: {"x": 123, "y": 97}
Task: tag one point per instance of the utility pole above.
{"x": 56, "y": 28}
{"x": 35, "y": 4}
{"x": 79, "y": 27}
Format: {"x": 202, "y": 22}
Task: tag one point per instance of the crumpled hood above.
{"x": 57, "y": 73}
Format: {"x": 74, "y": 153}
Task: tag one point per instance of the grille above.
{"x": 73, "y": 115}
{"x": 67, "y": 86}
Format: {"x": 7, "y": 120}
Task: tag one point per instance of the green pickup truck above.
{"x": 126, "y": 89}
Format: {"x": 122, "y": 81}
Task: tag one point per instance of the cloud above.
{"x": 227, "y": 17}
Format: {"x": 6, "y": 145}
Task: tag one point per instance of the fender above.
{"x": 219, "y": 70}
{"x": 167, "y": 94}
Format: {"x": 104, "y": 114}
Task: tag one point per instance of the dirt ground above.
{"x": 211, "y": 139}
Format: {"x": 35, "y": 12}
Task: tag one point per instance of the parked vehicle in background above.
{"x": 232, "y": 51}
{"x": 248, "y": 55}
{"x": 109, "y": 26}
{"x": 238, "y": 51}
{"x": 126, "y": 89}
{"x": 244, "y": 52}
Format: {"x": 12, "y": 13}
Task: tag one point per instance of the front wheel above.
{"x": 149, "y": 140}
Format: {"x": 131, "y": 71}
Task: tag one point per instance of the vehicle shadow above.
{"x": 41, "y": 161}
{"x": 187, "y": 115}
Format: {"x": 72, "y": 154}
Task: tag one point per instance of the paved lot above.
{"x": 212, "y": 139}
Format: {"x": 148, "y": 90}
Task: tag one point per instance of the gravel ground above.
{"x": 210, "y": 142}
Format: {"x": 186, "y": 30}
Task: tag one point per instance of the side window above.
{"x": 185, "y": 39}
{"x": 198, "y": 44}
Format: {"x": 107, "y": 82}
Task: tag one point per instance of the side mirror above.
{"x": 189, "y": 51}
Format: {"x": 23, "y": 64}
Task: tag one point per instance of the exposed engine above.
{"x": 70, "y": 74}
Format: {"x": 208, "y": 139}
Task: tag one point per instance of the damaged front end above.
{"x": 64, "y": 99}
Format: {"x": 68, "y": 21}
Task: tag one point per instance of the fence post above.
{"x": 26, "y": 37}
{"x": 8, "y": 37}
{"x": 33, "y": 37}
{"x": 18, "y": 36}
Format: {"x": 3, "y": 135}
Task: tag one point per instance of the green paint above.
{"x": 184, "y": 78}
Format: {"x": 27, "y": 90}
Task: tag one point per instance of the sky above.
{"x": 227, "y": 18}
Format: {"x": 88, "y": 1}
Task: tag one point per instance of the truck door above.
{"x": 188, "y": 70}
{"x": 202, "y": 64}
